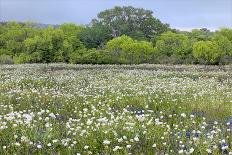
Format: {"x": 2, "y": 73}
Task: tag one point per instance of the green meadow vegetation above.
{"x": 115, "y": 109}
{"x": 124, "y": 84}
{"x": 122, "y": 35}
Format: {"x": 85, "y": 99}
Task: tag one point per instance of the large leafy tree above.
{"x": 200, "y": 35}
{"x": 70, "y": 29}
{"x": 11, "y": 38}
{"x": 71, "y": 43}
{"x": 126, "y": 50}
{"x": 208, "y": 51}
{"x": 39, "y": 48}
{"x": 13, "y": 34}
{"x": 171, "y": 43}
{"x": 54, "y": 44}
{"x": 223, "y": 43}
{"x": 72, "y": 34}
{"x": 95, "y": 36}
{"x": 137, "y": 23}
{"x": 224, "y": 46}
{"x": 226, "y": 32}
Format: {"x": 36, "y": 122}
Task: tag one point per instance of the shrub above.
{"x": 6, "y": 59}
{"x": 125, "y": 50}
{"x": 23, "y": 58}
{"x": 76, "y": 56}
{"x": 171, "y": 43}
{"x": 225, "y": 60}
{"x": 207, "y": 51}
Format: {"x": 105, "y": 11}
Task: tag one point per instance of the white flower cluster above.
{"x": 114, "y": 110}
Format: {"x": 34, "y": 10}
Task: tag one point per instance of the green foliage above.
{"x": 70, "y": 29}
{"x": 72, "y": 34}
{"x": 200, "y": 35}
{"x": 137, "y": 23}
{"x": 171, "y": 43}
{"x": 207, "y": 51}
{"x": 76, "y": 56}
{"x": 13, "y": 36}
{"x": 125, "y": 50}
{"x": 122, "y": 35}
{"x": 6, "y": 59}
{"x": 91, "y": 57}
{"x": 42, "y": 45}
{"x": 59, "y": 109}
{"x": 95, "y": 36}
{"x": 224, "y": 45}
{"x": 23, "y": 58}
{"x": 53, "y": 45}
{"x": 226, "y": 32}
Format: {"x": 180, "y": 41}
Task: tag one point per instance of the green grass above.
{"x": 70, "y": 109}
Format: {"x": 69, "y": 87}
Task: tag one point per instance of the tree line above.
{"x": 122, "y": 35}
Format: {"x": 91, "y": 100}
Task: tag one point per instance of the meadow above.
{"x": 60, "y": 109}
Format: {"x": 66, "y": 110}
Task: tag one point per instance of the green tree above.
{"x": 70, "y": 29}
{"x": 137, "y": 23}
{"x": 12, "y": 38}
{"x": 225, "y": 47}
{"x": 22, "y": 58}
{"x": 71, "y": 34}
{"x": 226, "y": 32}
{"x": 96, "y": 36}
{"x": 104, "y": 41}
{"x": 76, "y": 57}
{"x": 137, "y": 52}
{"x": 71, "y": 42}
{"x": 200, "y": 35}
{"x": 126, "y": 50}
{"x": 13, "y": 35}
{"x": 171, "y": 43}
{"x": 223, "y": 43}
{"x": 40, "y": 47}
{"x": 207, "y": 51}
{"x": 115, "y": 46}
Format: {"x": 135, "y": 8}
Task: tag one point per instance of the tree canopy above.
{"x": 137, "y": 23}
{"x": 121, "y": 35}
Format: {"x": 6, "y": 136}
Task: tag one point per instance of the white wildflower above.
{"x": 208, "y": 150}
{"x": 181, "y": 151}
{"x": 183, "y": 115}
{"x": 154, "y": 145}
{"x": 191, "y": 150}
{"x": 86, "y": 147}
{"x": 136, "y": 138}
{"x": 49, "y": 144}
{"x": 106, "y": 142}
{"x": 39, "y": 146}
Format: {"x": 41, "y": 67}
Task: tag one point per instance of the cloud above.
{"x": 183, "y": 14}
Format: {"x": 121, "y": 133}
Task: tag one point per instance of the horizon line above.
{"x": 188, "y": 29}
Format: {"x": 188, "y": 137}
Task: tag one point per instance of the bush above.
{"x": 6, "y": 59}
{"x": 76, "y": 56}
{"x": 207, "y": 51}
{"x": 23, "y": 58}
{"x": 171, "y": 44}
{"x": 225, "y": 60}
{"x": 36, "y": 57}
{"x": 125, "y": 50}
{"x": 90, "y": 57}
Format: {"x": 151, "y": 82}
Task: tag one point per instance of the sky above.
{"x": 180, "y": 14}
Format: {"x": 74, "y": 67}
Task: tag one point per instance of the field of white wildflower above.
{"x": 61, "y": 109}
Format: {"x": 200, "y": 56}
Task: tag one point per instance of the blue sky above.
{"x": 181, "y": 14}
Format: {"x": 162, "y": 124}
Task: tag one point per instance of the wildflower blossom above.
{"x": 106, "y": 142}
